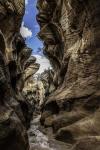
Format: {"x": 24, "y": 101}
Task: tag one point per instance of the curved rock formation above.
{"x": 15, "y": 110}
{"x": 70, "y": 32}
{"x": 11, "y": 13}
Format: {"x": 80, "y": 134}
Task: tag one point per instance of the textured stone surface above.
{"x": 70, "y": 32}
{"x": 11, "y": 15}
{"x": 47, "y": 80}
{"x": 15, "y": 110}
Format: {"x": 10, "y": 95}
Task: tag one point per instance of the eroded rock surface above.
{"x": 70, "y": 32}
{"x": 16, "y": 67}
{"x": 47, "y": 79}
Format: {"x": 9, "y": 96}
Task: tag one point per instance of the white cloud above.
{"x": 26, "y": 2}
{"x": 25, "y": 32}
{"x": 44, "y": 63}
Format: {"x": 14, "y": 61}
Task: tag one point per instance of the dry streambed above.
{"x": 40, "y": 141}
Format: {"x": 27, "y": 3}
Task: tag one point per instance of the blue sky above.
{"x": 31, "y": 23}
{"x": 29, "y": 30}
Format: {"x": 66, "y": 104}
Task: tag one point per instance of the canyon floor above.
{"x": 42, "y": 139}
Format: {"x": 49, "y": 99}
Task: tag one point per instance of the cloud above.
{"x": 26, "y": 2}
{"x": 25, "y": 32}
{"x": 44, "y": 63}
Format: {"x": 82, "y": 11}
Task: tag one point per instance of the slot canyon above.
{"x": 57, "y": 109}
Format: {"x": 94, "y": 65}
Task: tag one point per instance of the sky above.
{"x": 29, "y": 31}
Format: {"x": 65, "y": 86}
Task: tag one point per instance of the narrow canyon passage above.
{"x": 39, "y": 139}
{"x": 49, "y": 75}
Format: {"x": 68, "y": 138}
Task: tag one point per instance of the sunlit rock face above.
{"x": 14, "y": 63}
{"x": 70, "y": 31}
{"x": 47, "y": 80}
{"x": 34, "y": 91}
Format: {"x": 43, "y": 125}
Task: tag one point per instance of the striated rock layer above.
{"x": 70, "y": 32}
{"x": 16, "y": 66}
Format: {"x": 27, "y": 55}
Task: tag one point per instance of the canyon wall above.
{"x": 47, "y": 80}
{"x": 16, "y": 67}
{"x": 70, "y": 32}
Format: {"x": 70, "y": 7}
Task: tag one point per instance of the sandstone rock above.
{"x": 47, "y": 80}
{"x": 67, "y": 118}
{"x": 49, "y": 121}
{"x": 12, "y": 133}
{"x": 11, "y": 25}
{"x": 88, "y": 126}
{"x": 88, "y": 143}
{"x": 70, "y": 32}
{"x": 15, "y": 110}
{"x": 45, "y": 115}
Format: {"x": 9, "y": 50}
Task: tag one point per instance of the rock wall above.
{"x": 47, "y": 79}
{"x": 34, "y": 91}
{"x": 16, "y": 66}
{"x": 70, "y": 32}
